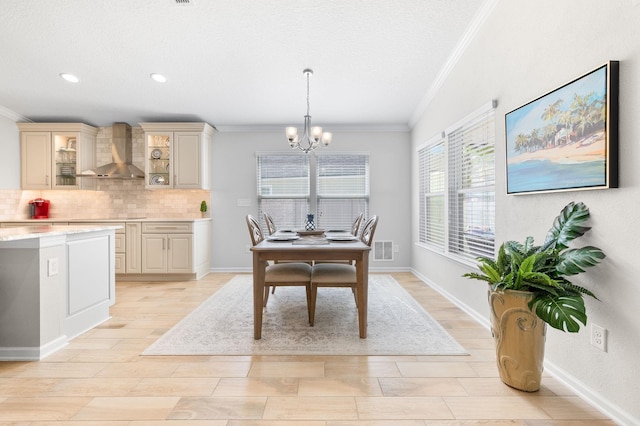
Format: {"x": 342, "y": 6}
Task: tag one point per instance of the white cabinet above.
{"x": 52, "y": 153}
{"x": 167, "y": 248}
{"x": 132, "y": 251}
{"x": 177, "y": 155}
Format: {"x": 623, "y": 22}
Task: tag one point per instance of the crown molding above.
{"x": 470, "y": 33}
{"x": 11, "y": 115}
{"x": 345, "y": 128}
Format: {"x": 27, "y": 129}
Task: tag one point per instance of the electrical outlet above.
{"x": 599, "y": 337}
{"x": 52, "y": 267}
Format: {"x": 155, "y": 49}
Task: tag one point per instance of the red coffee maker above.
{"x": 39, "y": 208}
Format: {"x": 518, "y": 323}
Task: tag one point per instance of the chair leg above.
{"x": 273, "y": 289}
{"x": 308, "y": 292}
{"x": 266, "y": 295}
{"x": 355, "y": 295}
{"x": 312, "y": 304}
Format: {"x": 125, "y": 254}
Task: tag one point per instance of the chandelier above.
{"x": 312, "y": 136}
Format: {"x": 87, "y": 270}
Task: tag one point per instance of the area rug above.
{"x": 223, "y": 324}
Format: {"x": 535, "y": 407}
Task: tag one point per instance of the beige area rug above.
{"x": 223, "y": 324}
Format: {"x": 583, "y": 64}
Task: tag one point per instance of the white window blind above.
{"x": 471, "y": 168}
{"x": 457, "y": 188}
{"x": 431, "y": 165}
{"x": 342, "y": 189}
{"x": 283, "y": 188}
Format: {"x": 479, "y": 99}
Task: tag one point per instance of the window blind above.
{"x": 431, "y": 164}
{"x": 283, "y": 188}
{"x": 471, "y": 172}
{"x": 342, "y": 189}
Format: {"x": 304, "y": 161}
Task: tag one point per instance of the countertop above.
{"x": 28, "y": 232}
{"x": 109, "y": 220}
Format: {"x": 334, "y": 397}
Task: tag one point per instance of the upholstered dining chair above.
{"x": 281, "y": 274}
{"x": 338, "y": 274}
{"x": 271, "y": 226}
{"x": 355, "y": 230}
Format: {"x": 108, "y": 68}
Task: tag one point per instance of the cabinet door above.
{"x": 187, "y": 160}
{"x": 133, "y": 255}
{"x": 35, "y": 153}
{"x": 65, "y": 161}
{"x": 154, "y": 253}
{"x": 179, "y": 253}
{"x": 158, "y": 160}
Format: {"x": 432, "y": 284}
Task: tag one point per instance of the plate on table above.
{"x": 304, "y": 232}
{"x": 282, "y": 237}
{"x": 342, "y": 238}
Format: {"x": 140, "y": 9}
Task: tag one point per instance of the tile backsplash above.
{"x": 113, "y": 199}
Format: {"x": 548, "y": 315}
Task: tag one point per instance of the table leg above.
{"x": 362, "y": 292}
{"x": 258, "y": 294}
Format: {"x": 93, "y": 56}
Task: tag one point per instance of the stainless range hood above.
{"x": 121, "y": 149}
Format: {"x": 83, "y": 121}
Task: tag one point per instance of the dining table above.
{"x": 304, "y": 248}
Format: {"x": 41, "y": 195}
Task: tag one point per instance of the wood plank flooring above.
{"x": 100, "y": 378}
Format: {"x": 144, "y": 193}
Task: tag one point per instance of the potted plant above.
{"x": 203, "y": 208}
{"x": 529, "y": 289}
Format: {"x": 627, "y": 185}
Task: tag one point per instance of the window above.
{"x": 432, "y": 186}
{"x": 334, "y": 187}
{"x": 283, "y": 188}
{"x": 342, "y": 183}
{"x": 457, "y": 188}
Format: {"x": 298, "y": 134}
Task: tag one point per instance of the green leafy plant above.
{"x": 203, "y": 206}
{"x": 542, "y": 270}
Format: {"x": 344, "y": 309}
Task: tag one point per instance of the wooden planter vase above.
{"x": 519, "y": 336}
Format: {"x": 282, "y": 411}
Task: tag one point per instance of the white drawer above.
{"x": 167, "y": 227}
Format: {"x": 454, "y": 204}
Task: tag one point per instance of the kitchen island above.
{"x": 56, "y": 282}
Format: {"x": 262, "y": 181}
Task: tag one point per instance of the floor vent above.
{"x": 383, "y": 250}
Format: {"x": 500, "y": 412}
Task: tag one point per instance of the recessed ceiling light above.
{"x": 69, "y": 77}
{"x": 158, "y": 77}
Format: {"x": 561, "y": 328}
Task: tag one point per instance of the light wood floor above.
{"x": 100, "y": 378}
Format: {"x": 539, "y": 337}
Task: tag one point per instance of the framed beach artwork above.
{"x": 566, "y": 139}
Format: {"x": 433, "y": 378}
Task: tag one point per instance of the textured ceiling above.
{"x": 234, "y": 64}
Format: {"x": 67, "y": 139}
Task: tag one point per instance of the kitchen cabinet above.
{"x": 52, "y": 153}
{"x": 132, "y": 250}
{"x": 167, "y": 247}
{"x": 152, "y": 249}
{"x": 56, "y": 284}
{"x": 177, "y": 155}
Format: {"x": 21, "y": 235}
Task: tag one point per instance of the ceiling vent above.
{"x": 182, "y": 2}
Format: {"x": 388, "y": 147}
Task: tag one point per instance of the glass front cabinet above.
{"x": 51, "y": 155}
{"x": 177, "y": 155}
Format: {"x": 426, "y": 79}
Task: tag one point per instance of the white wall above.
{"x": 10, "y": 158}
{"x": 234, "y": 177}
{"x": 523, "y": 50}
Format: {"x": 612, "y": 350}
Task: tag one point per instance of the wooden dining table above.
{"x": 305, "y": 249}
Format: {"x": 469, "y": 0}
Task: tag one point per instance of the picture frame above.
{"x": 567, "y": 139}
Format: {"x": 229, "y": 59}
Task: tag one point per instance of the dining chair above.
{"x": 355, "y": 227}
{"x": 281, "y": 274}
{"x": 271, "y": 226}
{"x": 339, "y": 274}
